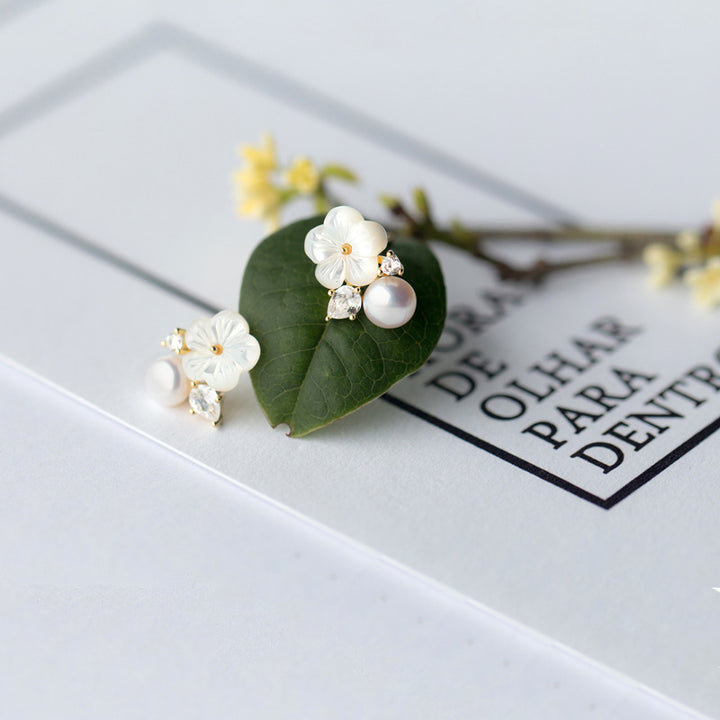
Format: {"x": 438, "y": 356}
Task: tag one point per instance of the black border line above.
{"x": 160, "y": 36}
{"x": 663, "y": 463}
{"x": 496, "y": 451}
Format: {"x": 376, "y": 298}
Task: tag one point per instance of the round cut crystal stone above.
{"x": 391, "y": 264}
{"x": 176, "y": 341}
{"x": 344, "y": 303}
{"x": 206, "y": 402}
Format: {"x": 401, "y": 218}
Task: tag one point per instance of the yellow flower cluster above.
{"x": 303, "y": 176}
{"x": 259, "y": 194}
{"x": 695, "y": 256}
{"x": 663, "y": 262}
{"x": 705, "y": 282}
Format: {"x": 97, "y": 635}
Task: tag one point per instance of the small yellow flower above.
{"x": 688, "y": 241}
{"x": 258, "y": 197}
{"x": 263, "y": 202}
{"x": 690, "y": 246}
{"x": 706, "y": 283}
{"x": 303, "y": 176}
{"x": 261, "y": 157}
{"x": 250, "y": 178}
{"x": 663, "y": 263}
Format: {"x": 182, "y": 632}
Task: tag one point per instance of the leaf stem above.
{"x": 629, "y": 242}
{"x": 573, "y": 234}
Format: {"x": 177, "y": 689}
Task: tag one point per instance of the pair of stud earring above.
{"x": 208, "y": 358}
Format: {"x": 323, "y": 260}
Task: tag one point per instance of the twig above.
{"x": 630, "y": 243}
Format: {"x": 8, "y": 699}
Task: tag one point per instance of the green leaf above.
{"x": 421, "y": 202}
{"x": 312, "y": 372}
{"x": 321, "y": 203}
{"x": 339, "y": 172}
{"x": 389, "y": 201}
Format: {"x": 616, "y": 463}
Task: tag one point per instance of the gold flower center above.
{"x": 216, "y": 349}
{"x": 346, "y": 249}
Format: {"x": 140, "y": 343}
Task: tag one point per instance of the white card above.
{"x": 117, "y": 225}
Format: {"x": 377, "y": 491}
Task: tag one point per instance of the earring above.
{"x": 207, "y": 360}
{"x": 346, "y": 251}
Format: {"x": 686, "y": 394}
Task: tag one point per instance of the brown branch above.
{"x": 630, "y": 243}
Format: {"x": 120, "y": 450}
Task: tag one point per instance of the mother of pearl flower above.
{"x": 220, "y": 350}
{"x": 345, "y": 248}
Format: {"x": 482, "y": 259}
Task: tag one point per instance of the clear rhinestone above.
{"x": 176, "y": 341}
{"x": 391, "y": 264}
{"x": 206, "y": 402}
{"x": 344, "y": 302}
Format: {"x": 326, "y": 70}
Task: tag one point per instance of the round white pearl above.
{"x": 389, "y": 302}
{"x": 166, "y": 382}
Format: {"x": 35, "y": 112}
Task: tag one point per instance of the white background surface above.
{"x": 135, "y": 584}
{"x": 157, "y": 590}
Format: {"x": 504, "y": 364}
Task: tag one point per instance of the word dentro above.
{"x": 687, "y": 392}
{"x": 633, "y": 433}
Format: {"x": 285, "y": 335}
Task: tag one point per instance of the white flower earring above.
{"x": 346, "y": 250}
{"x": 208, "y": 359}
